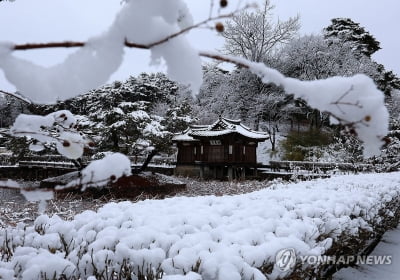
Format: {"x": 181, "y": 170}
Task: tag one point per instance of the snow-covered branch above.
{"x": 101, "y": 172}
{"x": 74, "y": 44}
{"x": 353, "y": 101}
{"x": 168, "y": 23}
{"x": 56, "y": 128}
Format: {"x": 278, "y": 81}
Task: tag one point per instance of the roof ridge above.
{"x": 236, "y": 121}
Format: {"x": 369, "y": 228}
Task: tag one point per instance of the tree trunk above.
{"x": 273, "y": 139}
{"x": 147, "y": 161}
{"x": 115, "y": 140}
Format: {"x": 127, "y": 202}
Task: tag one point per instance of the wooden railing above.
{"x": 61, "y": 161}
{"x": 47, "y": 164}
{"x": 318, "y": 167}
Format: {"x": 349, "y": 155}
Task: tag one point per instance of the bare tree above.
{"x": 253, "y": 35}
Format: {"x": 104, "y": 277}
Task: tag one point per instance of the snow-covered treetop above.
{"x": 348, "y": 31}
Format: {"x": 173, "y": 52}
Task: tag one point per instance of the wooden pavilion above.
{"x": 225, "y": 149}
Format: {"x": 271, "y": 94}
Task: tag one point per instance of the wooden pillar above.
{"x": 230, "y": 173}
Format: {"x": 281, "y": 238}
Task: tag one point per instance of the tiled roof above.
{"x": 210, "y": 133}
{"x": 184, "y": 136}
{"x": 222, "y": 126}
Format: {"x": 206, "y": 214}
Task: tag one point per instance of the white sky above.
{"x": 25, "y": 21}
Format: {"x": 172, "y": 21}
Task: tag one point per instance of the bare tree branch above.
{"x": 31, "y": 46}
{"x": 253, "y": 35}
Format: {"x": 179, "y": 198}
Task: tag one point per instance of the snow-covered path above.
{"x": 389, "y": 246}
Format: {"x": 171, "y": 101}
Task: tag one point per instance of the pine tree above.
{"x": 346, "y": 30}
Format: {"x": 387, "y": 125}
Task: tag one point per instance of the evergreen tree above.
{"x": 136, "y": 117}
{"x": 346, "y": 30}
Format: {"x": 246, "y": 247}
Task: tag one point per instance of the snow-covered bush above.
{"x": 231, "y": 237}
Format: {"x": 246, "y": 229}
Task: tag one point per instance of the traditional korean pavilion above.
{"x": 225, "y": 149}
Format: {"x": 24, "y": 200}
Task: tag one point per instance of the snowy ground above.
{"x": 217, "y": 237}
{"x": 389, "y": 246}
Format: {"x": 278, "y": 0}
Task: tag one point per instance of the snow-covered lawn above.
{"x": 226, "y": 237}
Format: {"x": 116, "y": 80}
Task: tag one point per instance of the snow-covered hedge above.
{"x": 228, "y": 237}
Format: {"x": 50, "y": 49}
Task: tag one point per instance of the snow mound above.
{"x": 101, "y": 172}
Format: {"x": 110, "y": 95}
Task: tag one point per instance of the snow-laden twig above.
{"x": 75, "y": 44}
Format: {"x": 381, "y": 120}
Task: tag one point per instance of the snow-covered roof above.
{"x": 184, "y": 137}
{"x": 222, "y": 126}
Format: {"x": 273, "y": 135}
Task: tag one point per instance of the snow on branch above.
{"x": 353, "y": 101}
{"x": 101, "y": 172}
{"x": 57, "y": 128}
{"x": 168, "y": 21}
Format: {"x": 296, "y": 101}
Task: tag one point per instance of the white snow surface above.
{"x": 103, "y": 171}
{"x": 9, "y": 184}
{"x": 38, "y": 195}
{"x": 231, "y": 236}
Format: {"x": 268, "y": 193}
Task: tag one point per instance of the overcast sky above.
{"x": 24, "y": 21}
